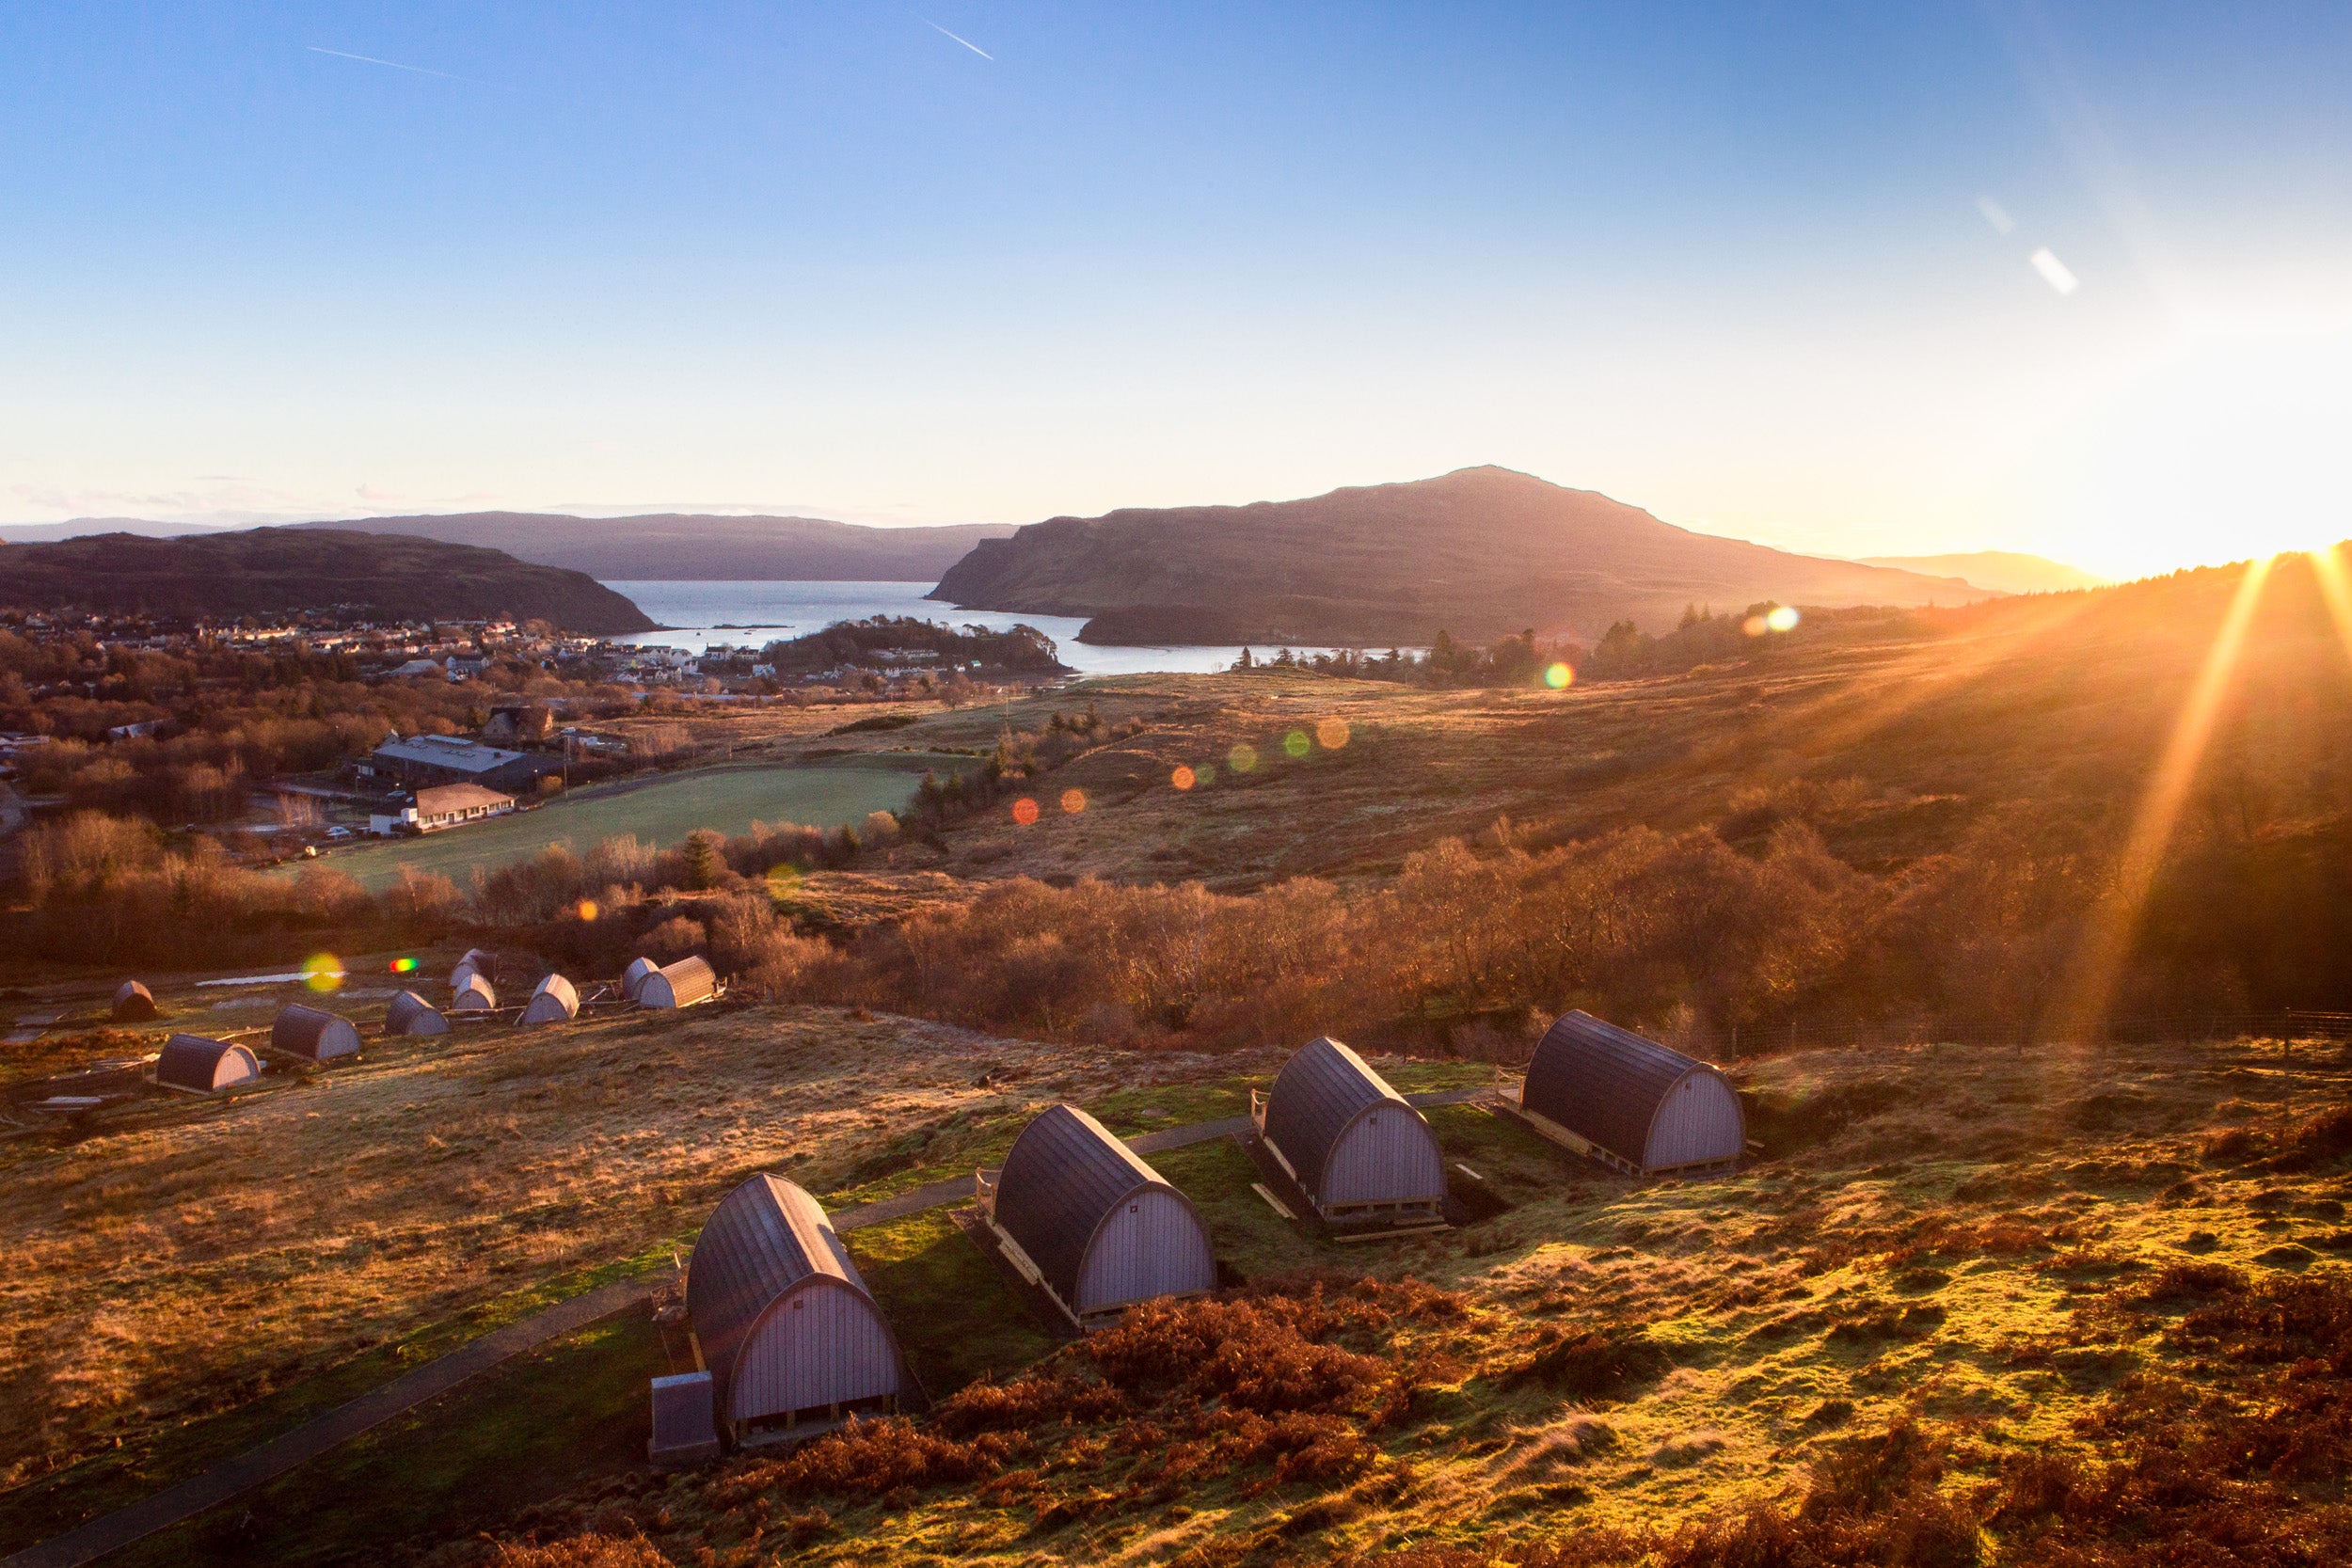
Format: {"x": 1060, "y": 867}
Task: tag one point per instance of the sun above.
{"x": 2224, "y": 450}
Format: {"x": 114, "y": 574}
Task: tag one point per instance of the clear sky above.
{"x": 1767, "y": 269}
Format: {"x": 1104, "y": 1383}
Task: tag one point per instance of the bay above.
{"x": 750, "y": 614}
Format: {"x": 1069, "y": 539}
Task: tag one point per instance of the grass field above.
{"x": 663, "y": 813}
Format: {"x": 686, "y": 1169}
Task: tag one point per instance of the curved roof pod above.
{"x": 411, "y": 1014}
{"x": 678, "y": 985}
{"x": 554, "y": 1002}
{"x": 784, "y": 1320}
{"x": 1102, "y": 1227}
{"x": 301, "y": 1031}
{"x": 634, "y": 975}
{"x": 132, "y": 1003}
{"x": 1350, "y": 1141}
{"x": 205, "y": 1066}
{"x": 1640, "y": 1105}
{"x": 474, "y": 996}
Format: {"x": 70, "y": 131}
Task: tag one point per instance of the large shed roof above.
{"x": 765, "y": 1237}
{"x": 447, "y": 750}
{"x": 1063, "y": 1175}
{"x": 1320, "y": 1090}
{"x": 1602, "y": 1083}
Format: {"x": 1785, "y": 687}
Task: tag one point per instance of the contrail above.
{"x": 370, "y": 59}
{"x": 958, "y": 37}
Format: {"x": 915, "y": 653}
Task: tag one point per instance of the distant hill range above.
{"x": 273, "y": 571}
{"x": 2003, "y": 571}
{"x": 1479, "y": 553}
{"x": 82, "y": 528}
{"x": 682, "y": 546}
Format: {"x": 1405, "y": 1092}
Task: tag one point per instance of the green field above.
{"x": 662, "y": 814}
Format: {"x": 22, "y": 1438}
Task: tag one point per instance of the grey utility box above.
{"x": 685, "y": 1427}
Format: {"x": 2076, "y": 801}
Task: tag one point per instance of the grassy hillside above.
{"x": 275, "y": 571}
{"x": 1481, "y": 553}
{"x": 2051, "y": 1275}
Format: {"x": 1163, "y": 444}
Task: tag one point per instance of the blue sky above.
{"x": 1743, "y": 266}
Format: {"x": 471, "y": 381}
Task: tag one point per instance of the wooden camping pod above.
{"x": 1352, "y": 1143}
{"x": 411, "y": 1014}
{"x": 555, "y": 1002}
{"x": 1096, "y": 1227}
{"x": 678, "y": 985}
{"x": 205, "y": 1066}
{"x": 1630, "y": 1102}
{"x": 475, "y": 996}
{"x": 783, "y": 1321}
{"x": 134, "y": 1004}
{"x": 300, "y": 1031}
{"x": 634, "y": 975}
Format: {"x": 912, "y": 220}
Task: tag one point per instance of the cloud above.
{"x": 370, "y": 59}
{"x": 961, "y": 38}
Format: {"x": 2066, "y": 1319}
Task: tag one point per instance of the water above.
{"x": 752, "y": 613}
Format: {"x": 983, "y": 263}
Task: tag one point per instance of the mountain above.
{"x": 269, "y": 571}
{"x": 2003, "y": 571}
{"x": 82, "y": 528}
{"x": 1480, "y": 553}
{"x": 679, "y": 545}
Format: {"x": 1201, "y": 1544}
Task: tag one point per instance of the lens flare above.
{"x": 1783, "y": 619}
{"x": 1183, "y": 778}
{"x": 2337, "y": 591}
{"x": 1296, "y": 744}
{"x": 1332, "y": 733}
{"x": 1755, "y": 625}
{"x": 1558, "y": 677}
{"x": 1073, "y": 800}
{"x": 2107, "y": 937}
{"x": 404, "y": 966}
{"x": 588, "y": 910}
{"x": 322, "y": 972}
{"x": 783, "y": 879}
{"x": 1024, "y": 811}
{"x": 1242, "y": 759}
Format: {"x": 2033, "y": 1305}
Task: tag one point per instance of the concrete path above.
{"x": 257, "y": 1466}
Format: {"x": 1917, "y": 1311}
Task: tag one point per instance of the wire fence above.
{"x": 2286, "y": 1026}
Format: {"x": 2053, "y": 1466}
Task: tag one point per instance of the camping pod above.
{"x": 474, "y": 996}
{"x": 205, "y": 1066}
{"x": 634, "y": 975}
{"x": 678, "y": 985}
{"x": 1353, "y": 1145}
{"x": 1083, "y": 1216}
{"x": 132, "y": 1003}
{"x": 411, "y": 1014}
{"x": 1630, "y": 1102}
{"x": 554, "y": 1002}
{"x": 785, "y": 1323}
{"x": 475, "y": 962}
{"x": 300, "y": 1031}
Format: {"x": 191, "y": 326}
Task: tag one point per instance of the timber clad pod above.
{"x": 554, "y": 1002}
{"x": 301, "y": 1031}
{"x": 205, "y": 1066}
{"x": 1349, "y": 1140}
{"x": 1630, "y": 1102}
{"x": 475, "y": 962}
{"x": 474, "y": 996}
{"x": 1101, "y": 1229}
{"x": 678, "y": 985}
{"x": 134, "y": 1004}
{"x": 782, "y": 1318}
{"x": 634, "y": 975}
{"x": 411, "y": 1014}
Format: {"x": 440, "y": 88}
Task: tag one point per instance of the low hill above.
{"x": 83, "y": 527}
{"x": 674, "y": 546}
{"x": 2002, "y": 571}
{"x": 1479, "y": 553}
{"x": 271, "y": 571}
